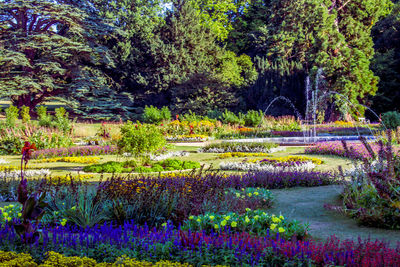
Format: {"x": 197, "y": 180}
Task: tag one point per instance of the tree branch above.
{"x": 348, "y": 1}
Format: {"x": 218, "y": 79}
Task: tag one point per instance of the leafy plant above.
{"x": 391, "y": 119}
{"x": 373, "y": 194}
{"x": 32, "y": 206}
{"x": 140, "y": 139}
{"x": 62, "y": 121}
{"x": 25, "y": 116}
{"x": 253, "y": 118}
{"x": 11, "y": 115}
{"x": 45, "y": 119}
{"x": 231, "y": 118}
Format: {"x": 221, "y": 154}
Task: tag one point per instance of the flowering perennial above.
{"x": 74, "y": 151}
{"x": 84, "y": 160}
{"x": 177, "y": 245}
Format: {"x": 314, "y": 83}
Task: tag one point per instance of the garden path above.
{"x": 307, "y": 205}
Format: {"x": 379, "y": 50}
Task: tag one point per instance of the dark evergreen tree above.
{"x": 386, "y": 63}
{"x": 52, "y": 49}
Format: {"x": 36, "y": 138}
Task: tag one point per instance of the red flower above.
{"x": 177, "y": 116}
{"x": 28, "y": 147}
{"x": 27, "y": 151}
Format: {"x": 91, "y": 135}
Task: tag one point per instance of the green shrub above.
{"x": 214, "y": 114}
{"x": 62, "y": 121}
{"x": 231, "y": 118}
{"x": 165, "y": 114}
{"x": 154, "y": 115}
{"x": 191, "y": 116}
{"x": 11, "y": 115}
{"x": 128, "y": 166}
{"x": 140, "y": 139}
{"x": 253, "y": 118}
{"x": 25, "y": 116}
{"x": 391, "y": 119}
{"x": 45, "y": 119}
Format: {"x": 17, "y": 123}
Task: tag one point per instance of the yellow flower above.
{"x": 198, "y": 220}
{"x": 223, "y": 223}
{"x": 276, "y": 220}
{"x": 247, "y": 209}
{"x": 227, "y": 218}
{"x": 256, "y": 217}
{"x": 281, "y": 217}
{"x": 281, "y": 230}
{"x": 19, "y": 214}
{"x": 5, "y": 214}
{"x": 164, "y": 224}
{"x": 246, "y": 219}
{"x": 216, "y": 226}
{"x": 256, "y": 193}
{"x": 11, "y": 206}
{"x": 73, "y": 208}
{"x": 249, "y": 194}
{"x": 242, "y": 189}
{"x": 233, "y": 224}
{"x": 237, "y": 194}
{"x": 212, "y": 217}
{"x": 63, "y": 222}
{"x": 273, "y": 226}
{"x": 191, "y": 217}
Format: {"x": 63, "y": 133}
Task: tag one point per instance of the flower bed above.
{"x": 188, "y": 138}
{"x": 263, "y": 166}
{"x": 256, "y": 222}
{"x": 132, "y": 166}
{"x": 241, "y": 155}
{"x": 289, "y": 163}
{"x": 83, "y": 160}
{"x": 105, "y": 243}
{"x": 241, "y": 147}
{"x": 3, "y": 161}
{"x": 169, "y": 155}
{"x": 27, "y": 173}
{"x": 55, "y": 259}
{"x": 74, "y": 151}
{"x": 356, "y": 150}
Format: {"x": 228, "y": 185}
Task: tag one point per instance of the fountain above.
{"x": 313, "y": 103}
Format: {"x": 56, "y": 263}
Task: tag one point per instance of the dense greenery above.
{"x": 115, "y": 57}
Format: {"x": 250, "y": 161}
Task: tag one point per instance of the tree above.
{"x": 386, "y": 63}
{"x": 313, "y": 34}
{"x": 52, "y": 49}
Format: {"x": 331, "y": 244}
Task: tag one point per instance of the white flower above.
{"x": 169, "y": 155}
{"x": 3, "y": 161}
{"x": 243, "y": 166}
{"x": 27, "y": 174}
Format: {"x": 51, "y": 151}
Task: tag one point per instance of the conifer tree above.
{"x": 386, "y": 63}
{"x": 53, "y": 49}
{"x": 329, "y": 34}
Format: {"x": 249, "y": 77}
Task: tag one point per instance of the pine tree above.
{"x": 53, "y": 50}
{"x": 386, "y": 63}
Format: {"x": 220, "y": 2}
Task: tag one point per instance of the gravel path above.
{"x": 306, "y": 205}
